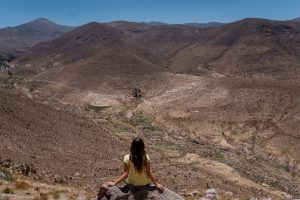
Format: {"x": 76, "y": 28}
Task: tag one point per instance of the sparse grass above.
{"x": 8, "y": 190}
{"x": 125, "y": 105}
{"x": 142, "y": 121}
{"x": 96, "y": 108}
{"x": 55, "y": 194}
{"x": 5, "y": 198}
{"x": 43, "y": 196}
{"x": 20, "y": 185}
{"x": 32, "y": 88}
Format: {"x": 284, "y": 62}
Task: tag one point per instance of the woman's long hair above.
{"x": 138, "y": 154}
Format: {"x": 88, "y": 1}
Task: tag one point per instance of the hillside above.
{"x": 250, "y": 47}
{"x": 15, "y": 40}
{"x": 64, "y": 146}
{"x": 220, "y": 103}
{"x": 95, "y": 51}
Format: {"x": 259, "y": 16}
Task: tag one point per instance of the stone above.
{"x": 193, "y": 193}
{"x": 77, "y": 174}
{"x": 211, "y": 194}
{"x": 228, "y": 193}
{"x": 5, "y": 177}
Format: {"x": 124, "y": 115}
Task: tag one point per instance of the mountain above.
{"x": 205, "y": 25}
{"x": 249, "y": 47}
{"x": 252, "y": 47}
{"x": 296, "y": 19}
{"x": 15, "y": 40}
{"x": 167, "y": 40}
{"x": 95, "y": 51}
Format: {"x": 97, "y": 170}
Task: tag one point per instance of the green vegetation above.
{"x": 8, "y": 190}
{"x": 32, "y": 88}
{"x": 21, "y": 185}
{"x": 128, "y": 105}
{"x": 96, "y": 108}
{"x": 142, "y": 122}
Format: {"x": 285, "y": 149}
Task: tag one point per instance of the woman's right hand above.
{"x": 110, "y": 184}
{"x": 160, "y": 187}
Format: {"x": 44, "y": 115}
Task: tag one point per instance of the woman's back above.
{"x": 136, "y": 178}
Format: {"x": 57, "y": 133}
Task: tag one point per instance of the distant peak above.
{"x": 42, "y": 20}
{"x": 296, "y": 19}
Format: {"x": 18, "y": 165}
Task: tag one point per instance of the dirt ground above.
{"x": 81, "y": 147}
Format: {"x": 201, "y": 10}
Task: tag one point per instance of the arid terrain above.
{"x": 218, "y": 107}
{"x": 16, "y": 40}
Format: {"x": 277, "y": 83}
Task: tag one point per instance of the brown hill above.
{"x": 250, "y": 47}
{"x": 17, "y": 39}
{"x": 85, "y": 56}
{"x": 166, "y": 39}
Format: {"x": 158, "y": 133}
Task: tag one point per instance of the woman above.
{"x": 137, "y": 169}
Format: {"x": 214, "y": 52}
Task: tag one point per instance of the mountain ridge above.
{"x": 16, "y": 40}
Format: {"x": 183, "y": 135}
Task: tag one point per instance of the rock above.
{"x": 59, "y": 179}
{"x": 5, "y": 177}
{"x": 193, "y": 193}
{"x": 127, "y": 192}
{"x": 129, "y": 115}
{"x": 4, "y": 64}
{"x": 265, "y": 185}
{"x": 81, "y": 198}
{"x": 211, "y": 194}
{"x": 77, "y": 174}
{"x": 228, "y": 193}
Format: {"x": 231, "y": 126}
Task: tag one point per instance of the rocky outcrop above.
{"x": 131, "y": 193}
{"x": 3, "y": 64}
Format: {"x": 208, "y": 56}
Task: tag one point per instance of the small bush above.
{"x": 22, "y": 185}
{"x": 137, "y": 93}
{"x": 8, "y": 190}
{"x": 142, "y": 121}
{"x": 43, "y": 196}
{"x": 55, "y": 194}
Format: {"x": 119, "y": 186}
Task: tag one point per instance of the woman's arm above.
{"x": 149, "y": 172}
{"x": 122, "y": 177}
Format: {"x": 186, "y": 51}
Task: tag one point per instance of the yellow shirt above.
{"x": 134, "y": 177}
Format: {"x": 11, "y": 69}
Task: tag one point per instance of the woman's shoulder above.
{"x": 126, "y": 158}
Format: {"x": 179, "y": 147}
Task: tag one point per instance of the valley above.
{"x": 219, "y": 106}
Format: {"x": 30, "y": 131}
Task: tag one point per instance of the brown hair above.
{"x": 138, "y": 154}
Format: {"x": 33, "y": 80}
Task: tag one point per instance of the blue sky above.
{"x": 78, "y": 12}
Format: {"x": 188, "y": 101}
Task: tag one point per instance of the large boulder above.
{"x": 128, "y": 192}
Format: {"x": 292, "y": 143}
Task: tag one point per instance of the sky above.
{"x": 79, "y": 12}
